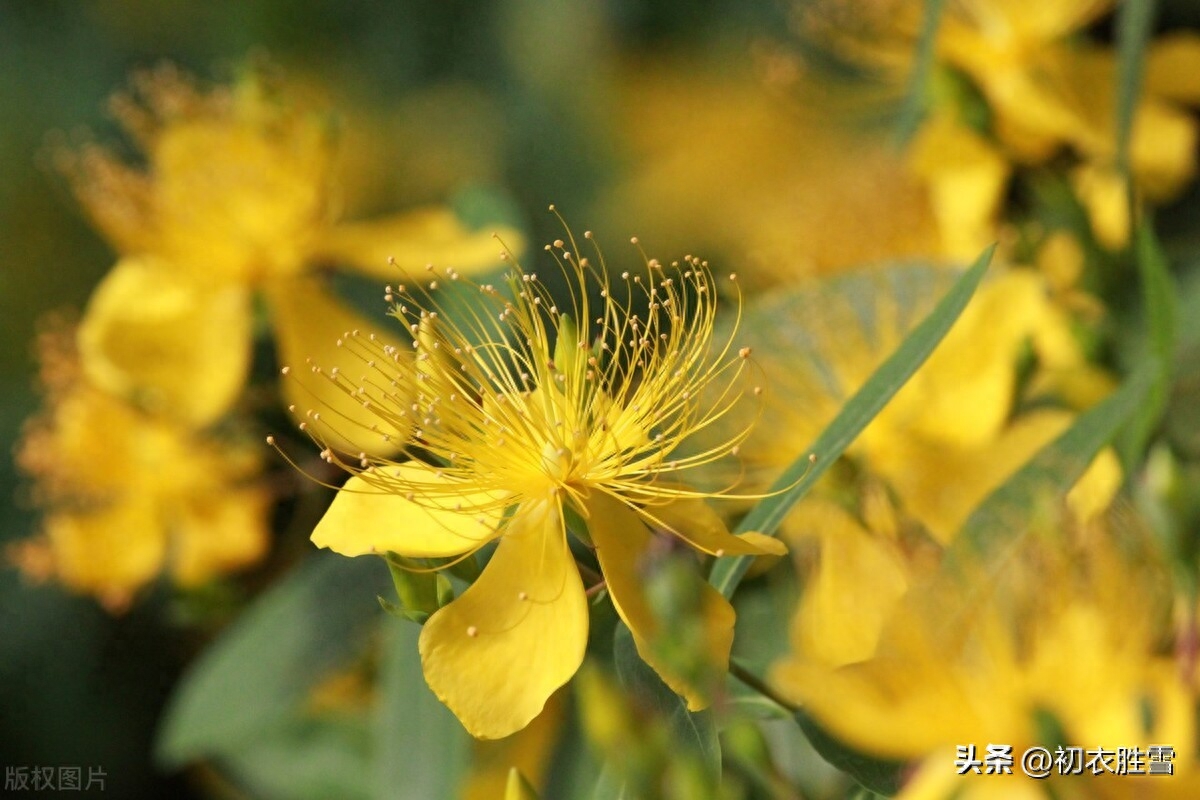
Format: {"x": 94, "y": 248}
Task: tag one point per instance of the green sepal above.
{"x": 445, "y": 591}
{"x": 416, "y": 590}
{"x": 466, "y": 569}
{"x": 399, "y": 612}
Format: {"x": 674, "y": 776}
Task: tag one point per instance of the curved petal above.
{"x": 695, "y": 521}
{"x": 858, "y": 582}
{"x": 176, "y": 346}
{"x": 368, "y": 517}
{"x": 622, "y": 541}
{"x": 496, "y": 653}
{"x": 1173, "y": 67}
{"x": 384, "y": 247}
{"x": 217, "y": 533}
{"x": 310, "y": 325}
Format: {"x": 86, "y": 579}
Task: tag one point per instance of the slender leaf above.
{"x": 1056, "y": 468}
{"x": 1161, "y": 302}
{"x": 877, "y": 774}
{"x": 1134, "y": 20}
{"x": 261, "y": 669}
{"x": 750, "y": 703}
{"x": 421, "y": 749}
{"x": 874, "y": 774}
{"x": 695, "y": 732}
{"x": 574, "y": 771}
{"x": 858, "y": 412}
{"x": 916, "y": 97}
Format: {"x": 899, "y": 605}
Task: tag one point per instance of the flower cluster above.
{"x": 234, "y": 200}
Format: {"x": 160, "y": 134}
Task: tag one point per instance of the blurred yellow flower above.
{"x": 1045, "y": 87}
{"x": 129, "y": 495}
{"x": 236, "y": 197}
{"x": 860, "y": 575}
{"x": 1061, "y": 628}
{"x": 534, "y": 412}
{"x": 791, "y": 186}
{"x": 966, "y": 178}
{"x": 527, "y": 752}
{"x": 951, "y": 435}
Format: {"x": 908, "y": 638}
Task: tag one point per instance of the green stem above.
{"x": 757, "y": 684}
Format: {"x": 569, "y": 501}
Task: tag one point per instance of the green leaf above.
{"x": 574, "y": 771}
{"x": 263, "y": 666}
{"x": 421, "y": 749}
{"x": 749, "y": 702}
{"x": 695, "y": 733}
{"x": 877, "y": 775}
{"x": 863, "y": 793}
{"x": 1134, "y": 21}
{"x": 305, "y": 759}
{"x": 858, "y": 412}
{"x": 610, "y": 785}
{"x": 1160, "y": 298}
{"x": 916, "y": 97}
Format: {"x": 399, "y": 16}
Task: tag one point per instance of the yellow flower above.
{"x": 795, "y": 186}
{"x": 534, "y": 412}
{"x": 528, "y": 752}
{"x": 1045, "y": 88}
{"x": 236, "y": 197}
{"x": 859, "y": 577}
{"x": 1062, "y": 622}
{"x": 129, "y": 495}
{"x": 966, "y": 177}
{"x": 1003, "y": 46}
{"x": 950, "y": 436}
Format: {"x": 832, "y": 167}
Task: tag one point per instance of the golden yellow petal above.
{"x": 859, "y": 579}
{"x": 695, "y": 521}
{"x": 1173, "y": 67}
{"x": 766, "y": 545}
{"x": 414, "y": 239}
{"x": 177, "y": 347}
{"x": 495, "y": 654}
{"x": 941, "y": 485}
{"x": 963, "y": 394}
{"x": 309, "y": 324}
{"x": 238, "y": 198}
{"x": 214, "y": 534}
{"x": 622, "y": 541}
{"x": 1103, "y": 194}
{"x": 1162, "y": 149}
{"x": 899, "y": 708}
{"x": 1033, "y": 119}
{"x": 369, "y": 515}
{"x": 1097, "y": 487}
{"x": 967, "y": 178}
{"x": 110, "y": 552}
